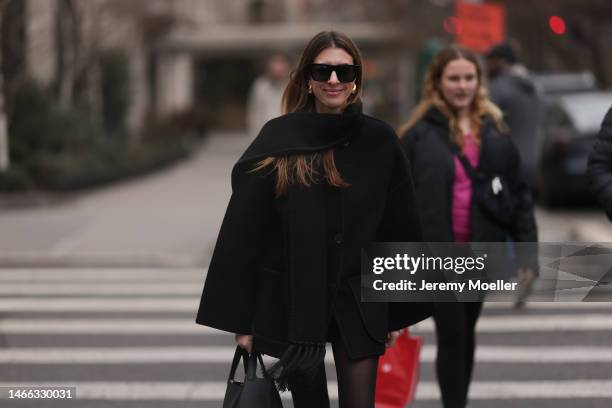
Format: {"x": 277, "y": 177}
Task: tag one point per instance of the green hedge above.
{"x": 73, "y": 170}
{"x": 16, "y": 178}
{"x": 103, "y": 165}
{"x": 56, "y": 150}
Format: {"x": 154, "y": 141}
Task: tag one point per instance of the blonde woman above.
{"x": 455, "y": 123}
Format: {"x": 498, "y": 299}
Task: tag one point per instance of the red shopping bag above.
{"x": 398, "y": 372}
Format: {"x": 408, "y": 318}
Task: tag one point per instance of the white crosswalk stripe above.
{"x": 212, "y": 354}
{"x": 103, "y": 288}
{"x": 487, "y": 324}
{"x": 214, "y": 391}
{"x": 91, "y": 304}
{"x": 30, "y": 300}
{"x": 99, "y": 274}
{"x": 184, "y": 304}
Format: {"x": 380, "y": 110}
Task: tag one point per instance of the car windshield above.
{"x": 586, "y": 111}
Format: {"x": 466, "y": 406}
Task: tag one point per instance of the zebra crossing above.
{"x": 127, "y": 337}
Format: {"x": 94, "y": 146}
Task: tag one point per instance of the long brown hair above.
{"x": 301, "y": 168}
{"x": 432, "y": 96}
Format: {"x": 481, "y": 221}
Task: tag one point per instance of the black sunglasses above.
{"x": 344, "y": 73}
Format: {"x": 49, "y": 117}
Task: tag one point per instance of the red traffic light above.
{"x": 557, "y": 25}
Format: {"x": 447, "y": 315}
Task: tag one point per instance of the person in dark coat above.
{"x": 318, "y": 184}
{"x": 600, "y": 165}
{"x": 514, "y": 92}
{"x": 455, "y": 117}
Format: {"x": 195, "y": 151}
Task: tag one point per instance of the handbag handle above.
{"x": 239, "y": 353}
{"x": 249, "y": 362}
{"x": 251, "y": 371}
{"x": 472, "y": 173}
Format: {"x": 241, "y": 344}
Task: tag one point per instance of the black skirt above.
{"x": 345, "y": 324}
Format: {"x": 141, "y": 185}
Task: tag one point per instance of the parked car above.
{"x": 549, "y": 84}
{"x": 570, "y": 124}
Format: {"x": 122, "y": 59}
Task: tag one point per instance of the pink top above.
{"x": 462, "y": 192}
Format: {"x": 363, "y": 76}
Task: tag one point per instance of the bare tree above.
{"x": 69, "y": 47}
{"x": 4, "y": 139}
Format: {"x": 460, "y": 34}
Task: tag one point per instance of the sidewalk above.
{"x": 169, "y": 218}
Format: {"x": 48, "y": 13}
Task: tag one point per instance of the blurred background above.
{"x": 120, "y": 121}
{"x": 88, "y": 83}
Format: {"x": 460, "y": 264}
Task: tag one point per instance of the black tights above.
{"x": 356, "y": 383}
{"x": 456, "y": 331}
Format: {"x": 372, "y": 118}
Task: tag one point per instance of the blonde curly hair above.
{"x": 432, "y": 96}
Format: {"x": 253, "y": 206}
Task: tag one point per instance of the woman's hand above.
{"x": 245, "y": 341}
{"x": 526, "y": 278}
{"x": 392, "y": 337}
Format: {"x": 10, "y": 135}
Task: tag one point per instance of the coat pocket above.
{"x": 373, "y": 314}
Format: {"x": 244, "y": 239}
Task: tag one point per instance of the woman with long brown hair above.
{"x": 318, "y": 184}
{"x": 455, "y": 132}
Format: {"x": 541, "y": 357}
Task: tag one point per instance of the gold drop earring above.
{"x": 354, "y": 88}
{"x": 309, "y": 88}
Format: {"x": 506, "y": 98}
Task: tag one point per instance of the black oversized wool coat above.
{"x": 247, "y": 287}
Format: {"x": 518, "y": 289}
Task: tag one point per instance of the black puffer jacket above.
{"x": 600, "y": 165}
{"x": 430, "y": 154}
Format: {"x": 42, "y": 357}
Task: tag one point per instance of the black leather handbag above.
{"x": 253, "y": 392}
{"x": 492, "y": 192}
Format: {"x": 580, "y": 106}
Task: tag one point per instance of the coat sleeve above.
{"x": 401, "y": 223}
{"x": 228, "y": 298}
{"x": 407, "y": 141}
{"x": 600, "y": 165}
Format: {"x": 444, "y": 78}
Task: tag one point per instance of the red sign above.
{"x": 480, "y": 26}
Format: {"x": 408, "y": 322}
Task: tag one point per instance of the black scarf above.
{"x": 303, "y": 133}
